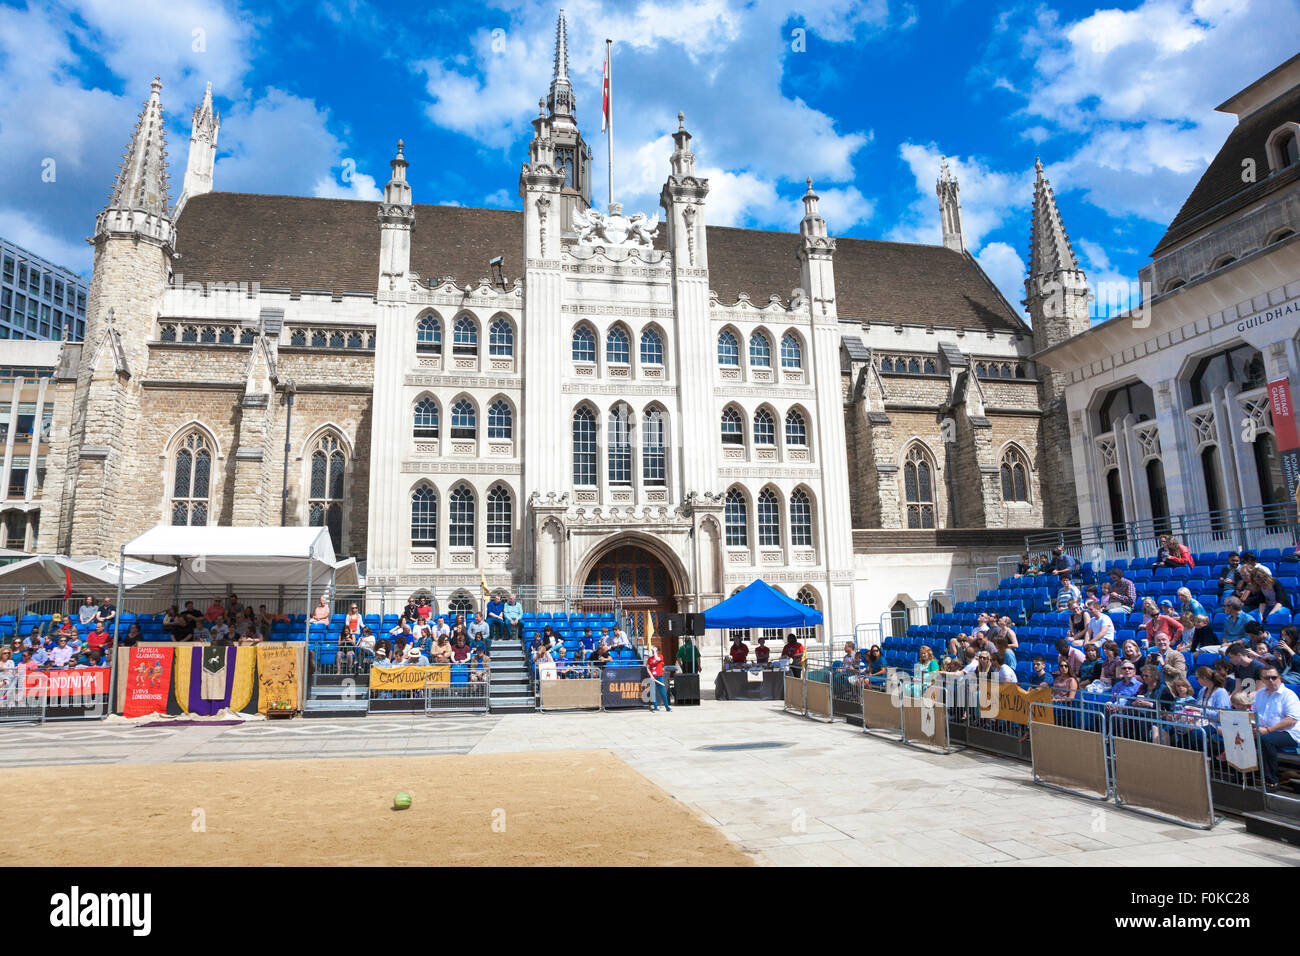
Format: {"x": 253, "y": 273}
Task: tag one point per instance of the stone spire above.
{"x": 204, "y": 129}
{"x": 950, "y": 208}
{"x": 682, "y": 160}
{"x": 139, "y": 202}
{"x": 396, "y": 217}
{"x": 812, "y": 225}
{"x": 1049, "y": 246}
{"x": 561, "y": 101}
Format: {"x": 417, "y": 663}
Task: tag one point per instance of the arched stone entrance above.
{"x": 645, "y": 587}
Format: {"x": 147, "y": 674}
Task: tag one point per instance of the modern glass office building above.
{"x": 38, "y": 299}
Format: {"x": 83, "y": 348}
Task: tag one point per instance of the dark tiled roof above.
{"x": 1221, "y": 190}
{"x": 306, "y": 243}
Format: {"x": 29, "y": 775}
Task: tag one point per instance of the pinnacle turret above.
{"x": 561, "y": 101}
{"x": 1049, "y": 245}
{"x": 139, "y": 202}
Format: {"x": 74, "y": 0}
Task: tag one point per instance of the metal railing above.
{"x": 17, "y": 704}
{"x": 1264, "y": 526}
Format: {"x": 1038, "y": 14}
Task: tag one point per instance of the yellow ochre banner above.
{"x": 410, "y": 677}
{"x": 277, "y": 675}
{"x": 1012, "y": 703}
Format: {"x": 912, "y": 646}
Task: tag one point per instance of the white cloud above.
{"x": 37, "y": 237}
{"x": 1135, "y": 90}
{"x": 1003, "y": 265}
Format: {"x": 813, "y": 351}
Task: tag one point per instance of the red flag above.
{"x": 67, "y": 578}
{"x": 605, "y": 119}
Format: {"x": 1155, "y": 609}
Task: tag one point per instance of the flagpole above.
{"x": 609, "y": 124}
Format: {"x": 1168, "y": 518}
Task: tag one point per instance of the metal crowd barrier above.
{"x": 455, "y": 691}
{"x": 911, "y": 708}
{"x": 810, "y": 694}
{"x": 17, "y": 706}
{"x": 975, "y": 720}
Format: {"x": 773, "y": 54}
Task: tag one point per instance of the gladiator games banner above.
{"x": 148, "y": 680}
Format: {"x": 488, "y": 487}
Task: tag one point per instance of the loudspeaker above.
{"x": 695, "y": 625}
{"x": 674, "y": 625}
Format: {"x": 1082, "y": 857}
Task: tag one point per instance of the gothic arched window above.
{"x": 733, "y": 432}
{"x": 653, "y": 470}
{"x": 325, "y": 504}
{"x": 760, "y": 351}
{"x": 736, "y": 518}
{"x": 501, "y": 338}
{"x": 617, "y": 351}
{"x": 728, "y": 350}
{"x": 800, "y": 519}
{"x": 584, "y": 344}
{"x": 428, "y": 335}
{"x": 918, "y": 488}
{"x": 192, "y": 481}
{"x": 791, "y": 351}
{"x": 464, "y": 421}
{"x": 464, "y": 340}
{"x": 499, "y": 517}
{"x": 424, "y": 517}
{"x": 426, "y": 418}
{"x": 460, "y": 525}
{"x": 764, "y": 428}
{"x": 620, "y": 447}
{"x": 500, "y": 420}
{"x": 796, "y": 429}
{"x": 1015, "y": 476}
{"x": 584, "y": 447}
{"x": 769, "y": 519}
{"x": 652, "y": 348}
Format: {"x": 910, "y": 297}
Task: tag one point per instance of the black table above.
{"x": 735, "y": 685}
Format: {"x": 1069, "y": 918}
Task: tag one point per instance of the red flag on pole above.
{"x": 67, "y": 579}
{"x": 604, "y": 106}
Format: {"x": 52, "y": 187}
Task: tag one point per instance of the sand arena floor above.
{"x": 571, "y": 808}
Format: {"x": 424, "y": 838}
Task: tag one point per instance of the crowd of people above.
{"x": 791, "y": 656}
{"x": 552, "y": 659}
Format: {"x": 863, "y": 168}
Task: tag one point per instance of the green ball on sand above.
{"x": 402, "y": 801}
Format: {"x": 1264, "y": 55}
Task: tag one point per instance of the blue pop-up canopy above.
{"x": 761, "y": 605}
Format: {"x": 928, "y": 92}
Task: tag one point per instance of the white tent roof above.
{"x": 46, "y": 573}
{"x": 263, "y": 556}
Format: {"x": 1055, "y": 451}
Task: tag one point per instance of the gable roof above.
{"x": 1221, "y": 190}
{"x": 308, "y": 243}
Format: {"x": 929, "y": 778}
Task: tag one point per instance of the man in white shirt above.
{"x": 619, "y": 638}
{"x": 983, "y": 624}
{"x": 1100, "y": 627}
{"x": 441, "y": 629}
{"x": 1277, "y": 714}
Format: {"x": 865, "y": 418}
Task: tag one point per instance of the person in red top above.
{"x": 216, "y": 611}
{"x": 659, "y": 689}
{"x": 739, "y": 651}
{"x": 1158, "y": 623}
{"x": 793, "y": 651}
{"x": 762, "y": 652}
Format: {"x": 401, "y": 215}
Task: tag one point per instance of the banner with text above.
{"x": 1011, "y": 702}
{"x": 410, "y": 677}
{"x": 624, "y": 686}
{"x": 147, "y": 680}
{"x": 66, "y": 684}
{"x": 1285, "y": 433}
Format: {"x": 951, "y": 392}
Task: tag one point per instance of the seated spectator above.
{"x": 1004, "y": 648}
{"x": 560, "y": 655}
{"x": 133, "y": 636}
{"x": 1064, "y": 684}
{"x": 101, "y": 637}
{"x": 1245, "y": 669}
{"x": 1230, "y": 576}
{"x": 1026, "y": 566}
{"x": 478, "y": 666}
{"x": 424, "y": 610}
{"x": 850, "y": 667}
{"x": 441, "y": 628}
{"x": 1267, "y": 594}
{"x": 480, "y": 644}
{"x": 926, "y": 661}
{"x": 1234, "y": 628}
{"x": 217, "y": 611}
{"x": 1005, "y": 629}
{"x": 545, "y": 663}
{"x": 1250, "y": 562}
{"x": 739, "y": 652}
{"x": 90, "y": 657}
{"x": 460, "y": 649}
{"x": 352, "y": 620}
{"x": 414, "y": 656}
{"x": 175, "y": 626}
{"x": 1062, "y": 562}
{"x": 366, "y": 638}
{"x": 1038, "y": 676}
{"x": 1071, "y": 657}
{"x": 1100, "y": 626}
{"x": 411, "y": 613}
{"x": 874, "y": 665}
{"x": 762, "y": 652}
{"x": 480, "y": 630}
{"x": 1067, "y": 592}
{"x": 618, "y": 638}
{"x": 320, "y": 614}
{"x": 381, "y": 657}
{"x": 442, "y": 651}
{"x": 252, "y": 637}
{"x": 1078, "y": 621}
{"x": 1170, "y": 661}
{"x": 1131, "y": 653}
{"x": 1285, "y": 652}
{"x": 600, "y": 656}
{"x": 999, "y": 670}
{"x": 107, "y": 611}
{"x": 514, "y": 614}
{"x": 1213, "y": 697}
{"x": 956, "y": 644}
{"x": 62, "y": 654}
{"x": 983, "y": 623}
{"x": 7, "y": 665}
{"x": 496, "y": 617}
{"x": 1091, "y": 669}
{"x": 1277, "y": 714}
{"x": 1126, "y": 684}
{"x": 1175, "y": 554}
{"x": 1158, "y": 623}
{"x": 1263, "y": 653}
{"x": 1189, "y": 604}
{"x": 88, "y": 611}
{"x": 1123, "y": 589}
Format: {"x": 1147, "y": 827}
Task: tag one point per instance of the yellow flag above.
{"x": 649, "y": 626}
{"x": 482, "y": 579}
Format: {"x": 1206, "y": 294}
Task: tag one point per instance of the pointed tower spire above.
{"x": 950, "y": 208}
{"x": 561, "y": 101}
{"x": 204, "y": 127}
{"x": 139, "y": 202}
{"x": 1049, "y": 246}
{"x": 396, "y": 217}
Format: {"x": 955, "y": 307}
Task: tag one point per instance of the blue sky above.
{"x": 862, "y": 96}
